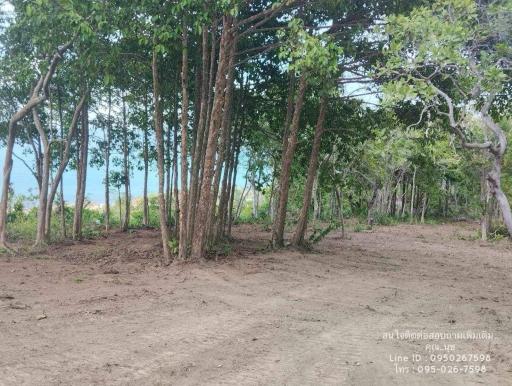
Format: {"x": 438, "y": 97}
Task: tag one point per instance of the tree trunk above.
{"x": 316, "y": 202}
{"x": 494, "y": 178}
{"x": 200, "y": 234}
{"x": 226, "y": 179}
{"x": 339, "y": 197}
{"x": 225, "y": 129}
{"x": 45, "y": 176}
{"x": 166, "y": 257}
{"x": 484, "y": 202}
{"x": 199, "y": 142}
{"x": 65, "y": 159}
{"x": 81, "y": 174}
{"x": 413, "y": 193}
{"x": 232, "y": 188}
{"x": 183, "y": 247}
{"x": 107, "y": 162}
{"x": 175, "y": 176}
{"x": 145, "y": 150}
{"x": 61, "y": 157}
{"x": 300, "y": 230}
{"x": 286, "y": 163}
{"x": 424, "y": 207}
{"x": 126, "y": 171}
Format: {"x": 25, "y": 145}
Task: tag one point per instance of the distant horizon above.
{"x": 24, "y": 183}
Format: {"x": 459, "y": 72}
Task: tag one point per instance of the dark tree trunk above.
{"x": 126, "y": 171}
{"x": 201, "y": 128}
{"x": 200, "y": 234}
{"x": 224, "y": 140}
{"x": 145, "y": 150}
{"x": 61, "y": 157}
{"x": 183, "y": 247}
{"x": 81, "y": 174}
{"x": 286, "y": 163}
{"x": 65, "y": 159}
{"x": 300, "y": 230}
{"x": 166, "y": 257}
{"x": 45, "y": 176}
{"x": 107, "y": 162}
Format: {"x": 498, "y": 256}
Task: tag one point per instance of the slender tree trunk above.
{"x": 339, "y": 197}
{"x": 168, "y": 172}
{"x": 183, "y": 247}
{"x": 198, "y": 145}
{"x": 126, "y": 171}
{"x": 232, "y": 188}
{"x": 200, "y": 235}
{"x": 145, "y": 201}
{"x": 43, "y": 192}
{"x": 107, "y": 162}
{"x": 65, "y": 159}
{"x": 404, "y": 198}
{"x": 61, "y": 157}
{"x": 211, "y": 82}
{"x": 224, "y": 140}
{"x": 225, "y": 188}
{"x": 316, "y": 201}
{"x": 484, "y": 202}
{"x": 424, "y": 207}
{"x": 300, "y": 230}
{"x": 286, "y": 163}
{"x": 119, "y": 201}
{"x": 446, "y": 197}
{"x": 166, "y": 257}
{"x": 81, "y": 174}
{"x": 175, "y": 176}
{"x": 413, "y": 193}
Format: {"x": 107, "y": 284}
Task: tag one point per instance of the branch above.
{"x": 28, "y": 167}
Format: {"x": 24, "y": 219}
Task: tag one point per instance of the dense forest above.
{"x": 296, "y": 114}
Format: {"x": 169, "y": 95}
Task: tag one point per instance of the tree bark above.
{"x": 183, "y": 247}
{"x": 300, "y": 230}
{"x": 200, "y": 235}
{"x": 65, "y": 159}
{"x": 45, "y": 176}
{"x": 494, "y": 178}
{"x": 145, "y": 201}
{"x": 61, "y": 157}
{"x": 424, "y": 207}
{"x": 201, "y": 128}
{"x": 286, "y": 163}
{"x": 166, "y": 257}
{"x": 81, "y": 174}
{"x": 126, "y": 171}
{"x": 413, "y": 194}
{"x": 107, "y": 161}
{"x": 232, "y": 187}
{"x": 225, "y": 129}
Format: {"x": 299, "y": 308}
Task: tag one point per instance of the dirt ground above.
{"x": 102, "y": 312}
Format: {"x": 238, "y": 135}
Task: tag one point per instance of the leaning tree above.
{"x": 455, "y": 59}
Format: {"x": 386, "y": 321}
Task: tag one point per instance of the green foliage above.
{"x": 318, "y": 55}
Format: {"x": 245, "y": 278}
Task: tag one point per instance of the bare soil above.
{"x": 103, "y": 312}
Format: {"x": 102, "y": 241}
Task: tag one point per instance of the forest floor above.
{"x": 102, "y": 312}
